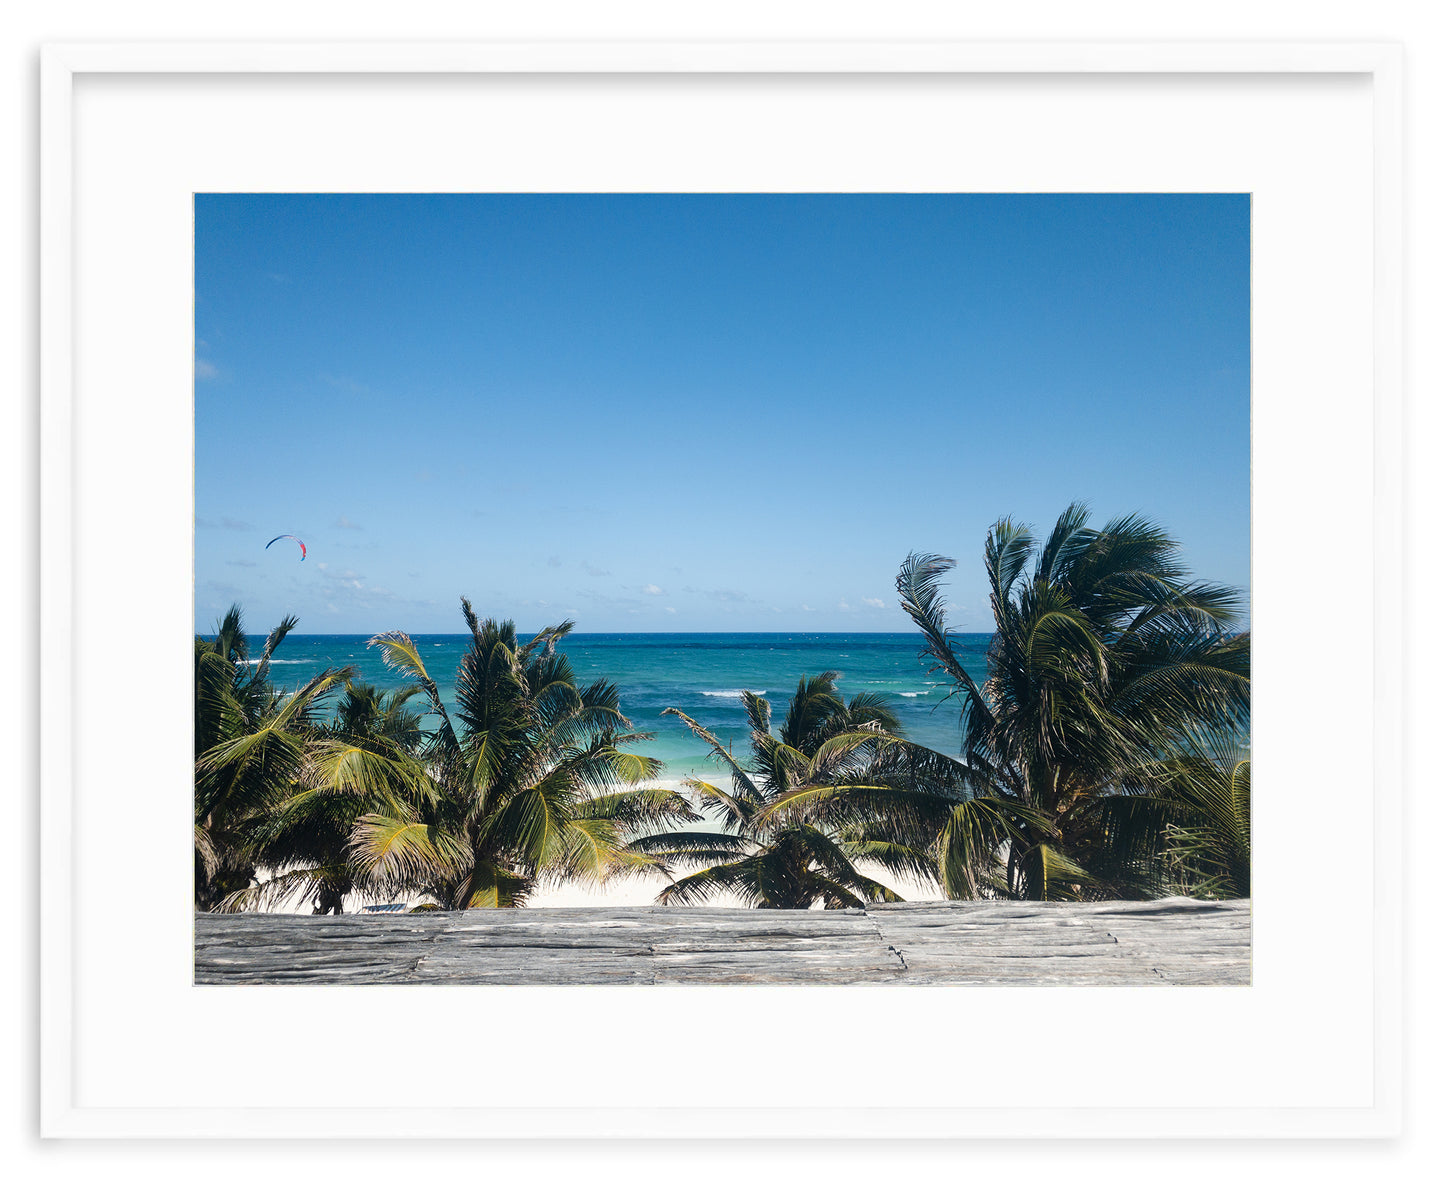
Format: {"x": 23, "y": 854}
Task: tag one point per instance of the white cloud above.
{"x": 652, "y": 589}
{"x": 808, "y": 609}
{"x": 876, "y": 603}
{"x": 344, "y": 522}
{"x": 843, "y": 604}
{"x": 670, "y": 609}
{"x": 349, "y": 579}
{"x": 205, "y": 370}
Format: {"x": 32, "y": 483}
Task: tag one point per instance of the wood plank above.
{"x": 1170, "y": 942}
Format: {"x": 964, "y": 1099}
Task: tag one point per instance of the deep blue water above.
{"x": 700, "y": 674}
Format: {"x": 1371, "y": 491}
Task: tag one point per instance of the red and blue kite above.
{"x": 288, "y": 536}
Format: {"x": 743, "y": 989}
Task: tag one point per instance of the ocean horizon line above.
{"x": 580, "y": 634}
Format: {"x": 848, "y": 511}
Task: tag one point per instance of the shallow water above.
{"x": 702, "y": 675}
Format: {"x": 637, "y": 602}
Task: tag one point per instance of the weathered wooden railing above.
{"x": 953, "y": 943}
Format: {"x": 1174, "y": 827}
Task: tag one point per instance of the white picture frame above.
{"x": 95, "y": 104}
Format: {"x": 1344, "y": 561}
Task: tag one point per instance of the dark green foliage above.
{"x": 534, "y": 779}
{"x": 792, "y": 828}
{"x": 251, "y": 745}
{"x": 364, "y": 762}
{"x": 1095, "y": 749}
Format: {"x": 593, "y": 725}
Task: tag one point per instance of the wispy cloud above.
{"x": 347, "y": 522}
{"x": 351, "y": 590}
{"x": 652, "y": 589}
{"x": 226, "y": 522}
{"x": 670, "y": 609}
{"x": 350, "y": 576}
{"x": 876, "y": 603}
{"x": 243, "y": 564}
{"x": 594, "y": 571}
{"x": 554, "y": 562}
{"x": 611, "y": 601}
{"x": 205, "y": 370}
{"x": 843, "y": 604}
{"x": 719, "y": 595}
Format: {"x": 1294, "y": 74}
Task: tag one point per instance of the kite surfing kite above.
{"x": 288, "y": 536}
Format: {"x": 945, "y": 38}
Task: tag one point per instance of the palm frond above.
{"x": 392, "y": 853}
{"x": 1051, "y": 875}
{"x": 743, "y": 880}
{"x": 637, "y": 811}
{"x": 399, "y": 653}
{"x": 741, "y": 779}
{"x": 340, "y": 767}
{"x": 490, "y": 885}
{"x": 922, "y": 600}
{"x": 296, "y": 886}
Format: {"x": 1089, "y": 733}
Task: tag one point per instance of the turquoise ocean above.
{"x": 703, "y": 675}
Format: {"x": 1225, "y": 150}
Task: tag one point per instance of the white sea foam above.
{"x": 913, "y": 693}
{"x": 253, "y": 662}
{"x": 735, "y": 693}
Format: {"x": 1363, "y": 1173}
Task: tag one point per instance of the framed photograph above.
{"x": 167, "y": 171}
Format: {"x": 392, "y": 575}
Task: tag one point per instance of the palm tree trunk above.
{"x": 329, "y": 899}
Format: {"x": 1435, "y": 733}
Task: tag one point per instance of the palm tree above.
{"x": 1108, "y": 663}
{"x": 780, "y": 847}
{"x": 251, "y": 745}
{"x": 364, "y": 762}
{"x": 534, "y": 780}
{"x": 1185, "y": 826}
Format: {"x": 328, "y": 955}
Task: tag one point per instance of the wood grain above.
{"x": 1011, "y": 943}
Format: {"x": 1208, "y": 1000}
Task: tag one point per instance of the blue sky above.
{"x": 700, "y": 413}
